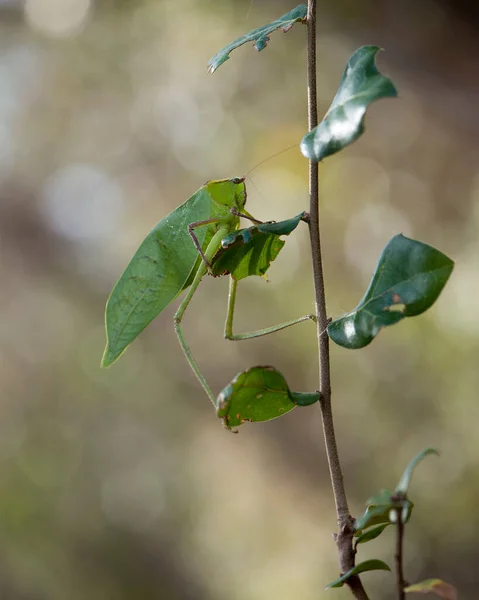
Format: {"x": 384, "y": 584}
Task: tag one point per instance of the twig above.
{"x": 345, "y": 521}
{"x": 400, "y": 582}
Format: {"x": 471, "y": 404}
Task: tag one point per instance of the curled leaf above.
{"x": 361, "y": 84}
{"x": 405, "y": 481}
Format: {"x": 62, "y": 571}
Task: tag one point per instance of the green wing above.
{"x": 156, "y": 274}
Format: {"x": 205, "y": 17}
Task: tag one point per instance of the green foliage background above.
{"x": 122, "y": 484}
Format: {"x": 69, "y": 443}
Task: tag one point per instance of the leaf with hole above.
{"x": 361, "y": 84}
{"x": 405, "y": 481}
{"x": 409, "y": 277}
{"x": 367, "y": 565}
{"x": 439, "y": 588}
{"x": 259, "y": 36}
{"x": 250, "y": 251}
{"x": 259, "y": 394}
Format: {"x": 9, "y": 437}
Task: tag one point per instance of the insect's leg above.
{"x": 245, "y": 214}
{"x": 209, "y": 253}
{"x": 197, "y": 244}
{"x": 229, "y": 335}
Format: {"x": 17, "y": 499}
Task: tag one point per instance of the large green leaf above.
{"x": 408, "y": 279}
{"x": 439, "y": 588}
{"x": 259, "y": 36}
{"x": 368, "y": 565}
{"x": 250, "y": 251}
{"x": 259, "y": 394}
{"x": 360, "y": 85}
{"x": 403, "y": 485}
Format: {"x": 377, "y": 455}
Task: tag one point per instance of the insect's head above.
{"x": 228, "y": 192}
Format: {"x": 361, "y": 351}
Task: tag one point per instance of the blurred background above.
{"x": 122, "y": 484}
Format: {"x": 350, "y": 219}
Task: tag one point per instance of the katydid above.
{"x": 174, "y": 256}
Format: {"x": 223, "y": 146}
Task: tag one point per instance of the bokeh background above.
{"x": 122, "y": 484}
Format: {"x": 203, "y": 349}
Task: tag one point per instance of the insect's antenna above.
{"x": 270, "y": 157}
{"x": 254, "y": 185}
{"x": 249, "y": 10}
{"x": 324, "y": 331}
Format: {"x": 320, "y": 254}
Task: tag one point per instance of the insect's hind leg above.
{"x": 229, "y": 335}
{"x": 210, "y": 252}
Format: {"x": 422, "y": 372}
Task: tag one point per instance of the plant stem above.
{"x": 345, "y": 521}
{"x": 400, "y": 583}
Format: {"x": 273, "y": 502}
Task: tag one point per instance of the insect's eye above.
{"x": 237, "y": 180}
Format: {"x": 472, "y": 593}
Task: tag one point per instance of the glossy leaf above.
{"x": 405, "y": 481}
{"x": 408, "y": 279}
{"x": 259, "y": 36}
{"x": 367, "y": 565}
{"x": 166, "y": 262}
{"x": 361, "y": 84}
{"x": 250, "y": 251}
{"x": 259, "y": 394}
{"x": 439, "y": 588}
{"x": 371, "y": 534}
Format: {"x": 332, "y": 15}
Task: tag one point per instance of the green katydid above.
{"x": 174, "y": 256}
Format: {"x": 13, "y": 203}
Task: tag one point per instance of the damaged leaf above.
{"x": 259, "y": 36}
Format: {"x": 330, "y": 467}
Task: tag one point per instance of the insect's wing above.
{"x": 155, "y": 276}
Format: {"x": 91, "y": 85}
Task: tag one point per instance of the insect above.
{"x": 173, "y": 258}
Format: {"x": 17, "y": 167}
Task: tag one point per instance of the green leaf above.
{"x": 371, "y": 534}
{"x": 367, "y": 565}
{"x": 408, "y": 279}
{"x": 361, "y": 84}
{"x": 259, "y": 394}
{"x": 434, "y": 586}
{"x": 250, "y": 251}
{"x": 260, "y": 36}
{"x": 405, "y": 481}
{"x": 379, "y": 509}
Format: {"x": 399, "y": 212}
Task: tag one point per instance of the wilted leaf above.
{"x": 250, "y": 251}
{"x": 439, "y": 588}
{"x": 367, "y": 565}
{"x": 408, "y": 279}
{"x": 259, "y": 394}
{"x": 360, "y": 85}
{"x": 259, "y": 36}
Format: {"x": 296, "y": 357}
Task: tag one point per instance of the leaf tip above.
{"x": 109, "y": 357}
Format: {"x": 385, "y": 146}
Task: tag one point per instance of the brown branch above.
{"x": 400, "y": 582}
{"x": 344, "y": 538}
